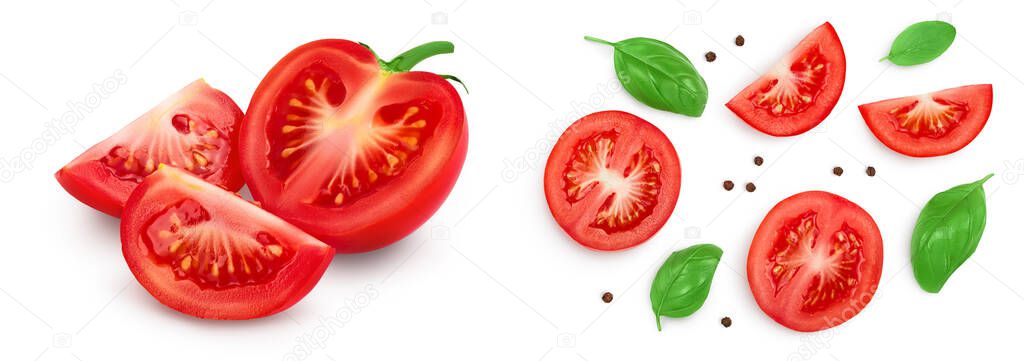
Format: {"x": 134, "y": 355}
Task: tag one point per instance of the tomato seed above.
{"x": 607, "y": 297}
{"x": 751, "y": 187}
{"x": 726, "y": 321}
{"x": 740, "y": 40}
{"x": 870, "y": 171}
{"x": 727, "y": 185}
{"x": 838, "y": 171}
{"x": 710, "y": 56}
{"x": 758, "y": 161}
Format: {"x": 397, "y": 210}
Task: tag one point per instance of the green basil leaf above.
{"x": 947, "y": 233}
{"x": 921, "y": 43}
{"x": 658, "y": 75}
{"x": 683, "y": 281}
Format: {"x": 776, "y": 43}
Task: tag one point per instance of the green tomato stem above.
{"x": 406, "y": 61}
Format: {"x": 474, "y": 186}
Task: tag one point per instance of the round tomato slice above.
{"x": 815, "y": 261}
{"x": 933, "y": 124}
{"x": 207, "y": 252}
{"x": 800, "y": 91}
{"x": 193, "y": 129}
{"x": 356, "y": 151}
{"x": 612, "y": 180}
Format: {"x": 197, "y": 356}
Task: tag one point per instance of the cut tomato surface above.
{"x": 612, "y": 180}
{"x": 356, "y": 151}
{"x": 207, "y": 252}
{"x": 800, "y": 91}
{"x": 932, "y": 124}
{"x": 193, "y": 129}
{"x": 815, "y": 261}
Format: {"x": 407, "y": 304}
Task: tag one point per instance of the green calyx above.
{"x": 406, "y": 61}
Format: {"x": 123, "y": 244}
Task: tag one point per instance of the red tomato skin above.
{"x": 871, "y": 270}
{"x": 790, "y": 125}
{"x": 979, "y": 97}
{"x": 387, "y": 215}
{"x": 89, "y": 181}
{"x": 563, "y": 212}
{"x": 292, "y": 282}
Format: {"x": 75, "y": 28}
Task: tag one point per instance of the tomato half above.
{"x": 800, "y": 91}
{"x": 815, "y": 261}
{"x": 612, "y": 180}
{"x": 193, "y": 129}
{"x": 207, "y": 252}
{"x": 356, "y": 151}
{"x": 932, "y": 124}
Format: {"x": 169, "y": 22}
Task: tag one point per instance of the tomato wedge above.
{"x": 800, "y": 91}
{"x": 612, "y": 180}
{"x": 357, "y": 151}
{"x": 815, "y": 261}
{"x": 193, "y": 129}
{"x": 932, "y": 124}
{"x": 207, "y": 252}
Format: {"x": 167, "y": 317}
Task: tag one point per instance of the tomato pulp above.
{"x": 193, "y": 129}
{"x": 815, "y": 261}
{"x": 206, "y": 252}
{"x": 932, "y": 124}
{"x": 356, "y": 151}
{"x": 800, "y": 91}
{"x": 612, "y": 180}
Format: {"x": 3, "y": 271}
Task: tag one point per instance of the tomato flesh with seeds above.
{"x": 355, "y": 154}
{"x": 800, "y": 91}
{"x": 932, "y": 124}
{"x": 206, "y": 252}
{"x": 193, "y": 129}
{"x": 815, "y": 261}
{"x": 612, "y": 180}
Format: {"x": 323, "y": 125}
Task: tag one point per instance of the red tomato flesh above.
{"x": 932, "y": 124}
{"x": 815, "y": 261}
{"x": 355, "y": 155}
{"x": 207, "y": 252}
{"x": 800, "y": 91}
{"x": 612, "y": 180}
{"x": 193, "y": 129}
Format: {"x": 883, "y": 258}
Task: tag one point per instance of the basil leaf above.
{"x": 921, "y": 43}
{"x": 947, "y": 233}
{"x": 683, "y": 281}
{"x": 658, "y": 75}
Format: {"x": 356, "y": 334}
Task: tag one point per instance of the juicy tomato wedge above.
{"x": 612, "y": 180}
{"x": 207, "y": 252}
{"x": 800, "y": 91}
{"x": 357, "y": 152}
{"x": 815, "y": 261}
{"x": 193, "y": 129}
{"x": 932, "y": 124}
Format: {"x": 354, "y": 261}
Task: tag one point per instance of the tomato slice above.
{"x": 800, "y": 91}
{"x": 356, "y": 154}
{"x": 193, "y": 129}
{"x": 815, "y": 261}
{"x": 612, "y": 180}
{"x": 932, "y": 124}
{"x": 207, "y": 252}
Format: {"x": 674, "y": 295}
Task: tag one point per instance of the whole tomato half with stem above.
{"x": 355, "y": 150}
{"x": 815, "y": 261}
{"x": 207, "y": 252}
{"x": 193, "y": 129}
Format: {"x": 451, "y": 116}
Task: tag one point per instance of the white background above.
{"x": 491, "y": 276}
